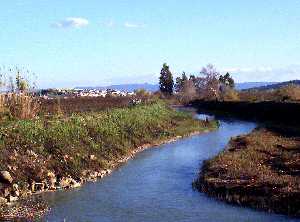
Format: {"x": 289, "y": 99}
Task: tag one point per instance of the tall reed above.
{"x": 19, "y": 105}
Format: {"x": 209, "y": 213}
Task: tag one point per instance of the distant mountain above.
{"x": 250, "y": 85}
{"x": 275, "y": 85}
{"x": 126, "y": 87}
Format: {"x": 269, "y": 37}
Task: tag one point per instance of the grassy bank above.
{"x": 260, "y": 170}
{"x": 47, "y": 153}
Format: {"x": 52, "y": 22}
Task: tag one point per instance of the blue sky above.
{"x": 99, "y": 42}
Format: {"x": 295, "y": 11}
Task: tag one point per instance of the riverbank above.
{"x": 264, "y": 111}
{"x": 60, "y": 153}
{"x": 259, "y": 170}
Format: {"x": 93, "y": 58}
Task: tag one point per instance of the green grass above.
{"x": 64, "y": 144}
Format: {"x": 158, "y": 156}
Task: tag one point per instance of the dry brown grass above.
{"x": 230, "y": 95}
{"x": 2, "y": 103}
{"x": 261, "y": 170}
{"x": 82, "y": 104}
{"x": 19, "y": 106}
{"x": 289, "y": 93}
{"x": 252, "y": 156}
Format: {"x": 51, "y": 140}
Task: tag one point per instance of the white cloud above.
{"x": 133, "y": 25}
{"x": 72, "y": 22}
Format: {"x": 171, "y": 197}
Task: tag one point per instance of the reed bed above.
{"x": 19, "y": 105}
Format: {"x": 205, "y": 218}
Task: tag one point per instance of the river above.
{"x": 157, "y": 186}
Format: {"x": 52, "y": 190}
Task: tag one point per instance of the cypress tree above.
{"x": 166, "y": 82}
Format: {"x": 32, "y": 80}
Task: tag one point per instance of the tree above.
{"x": 180, "y": 82}
{"x": 208, "y": 85}
{"x": 166, "y": 82}
{"x": 188, "y": 91}
{"x": 227, "y": 80}
{"x": 227, "y": 91}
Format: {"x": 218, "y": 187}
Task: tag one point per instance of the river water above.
{"x": 157, "y": 186}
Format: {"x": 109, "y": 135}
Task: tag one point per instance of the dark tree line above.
{"x": 209, "y": 85}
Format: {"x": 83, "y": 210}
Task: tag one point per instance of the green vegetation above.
{"x": 227, "y": 80}
{"x": 180, "y": 82}
{"x": 29, "y": 149}
{"x": 49, "y": 144}
{"x": 260, "y": 170}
